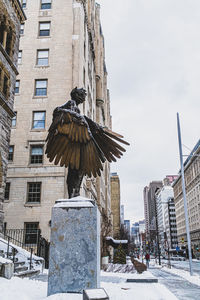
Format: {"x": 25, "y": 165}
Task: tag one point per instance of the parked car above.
{"x": 177, "y": 257}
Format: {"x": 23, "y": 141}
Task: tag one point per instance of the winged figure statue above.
{"x": 77, "y": 142}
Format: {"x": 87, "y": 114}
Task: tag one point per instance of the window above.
{"x": 22, "y": 29}
{"x": 41, "y": 87}
{"x": 31, "y": 232}
{"x": 10, "y": 153}
{"x": 39, "y": 119}
{"x": 5, "y": 85}
{"x": 23, "y": 3}
{"x": 20, "y": 57}
{"x": 14, "y": 120}
{"x": 17, "y": 83}
{"x": 42, "y": 57}
{"x": 36, "y": 154}
{"x": 44, "y": 28}
{"x": 7, "y": 191}
{"x": 34, "y": 192}
{"x": 45, "y": 4}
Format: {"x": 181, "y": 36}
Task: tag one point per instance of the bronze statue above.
{"x": 77, "y": 142}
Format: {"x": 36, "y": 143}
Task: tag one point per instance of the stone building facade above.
{"x": 115, "y": 204}
{"x": 192, "y": 184}
{"x": 61, "y": 47}
{"x": 11, "y": 17}
{"x": 149, "y": 194}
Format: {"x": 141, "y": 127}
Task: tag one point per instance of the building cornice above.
{"x": 88, "y": 27}
{"x": 19, "y": 10}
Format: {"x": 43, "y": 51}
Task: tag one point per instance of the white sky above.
{"x": 153, "y": 63}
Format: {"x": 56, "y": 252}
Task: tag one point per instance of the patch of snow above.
{"x": 23, "y": 255}
{"x": 124, "y": 276}
{"x": 74, "y": 204}
{"x": 96, "y": 293}
{"x": 195, "y": 279}
{"x": 28, "y": 289}
{"x": 5, "y": 260}
{"x": 108, "y": 238}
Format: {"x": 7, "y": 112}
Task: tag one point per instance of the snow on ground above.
{"x": 22, "y": 255}
{"x": 115, "y": 285}
{"x": 195, "y": 279}
{"x": 4, "y": 260}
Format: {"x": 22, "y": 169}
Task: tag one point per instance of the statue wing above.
{"x": 106, "y": 140}
{"x": 70, "y": 143}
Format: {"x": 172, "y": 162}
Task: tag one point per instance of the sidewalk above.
{"x": 179, "y": 282}
{"x": 114, "y": 283}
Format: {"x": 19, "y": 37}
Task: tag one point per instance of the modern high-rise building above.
{"x": 170, "y": 224}
{"x": 150, "y": 211}
{"x": 61, "y": 47}
{"x": 12, "y": 19}
{"x": 192, "y": 185}
{"x": 146, "y": 210}
{"x": 166, "y": 217}
{"x": 115, "y": 204}
{"x": 127, "y": 227}
{"x": 122, "y": 215}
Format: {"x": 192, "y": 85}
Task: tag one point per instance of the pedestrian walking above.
{"x": 147, "y": 257}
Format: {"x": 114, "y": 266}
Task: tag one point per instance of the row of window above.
{"x": 42, "y": 57}
{"x": 43, "y": 29}
{"x": 36, "y": 154}
{"x": 38, "y": 121}
{"x": 33, "y": 192}
{"x": 40, "y": 87}
{"x": 44, "y": 4}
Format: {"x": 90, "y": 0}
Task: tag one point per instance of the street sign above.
{"x": 177, "y": 248}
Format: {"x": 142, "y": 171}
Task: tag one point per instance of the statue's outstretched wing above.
{"x": 70, "y": 143}
{"x": 106, "y": 140}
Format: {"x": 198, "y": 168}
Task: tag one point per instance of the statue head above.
{"x": 78, "y": 95}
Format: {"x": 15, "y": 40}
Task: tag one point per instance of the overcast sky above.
{"x": 153, "y": 63}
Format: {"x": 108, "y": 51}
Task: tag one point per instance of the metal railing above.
{"x": 26, "y": 239}
{"x": 30, "y": 240}
{"x": 14, "y": 252}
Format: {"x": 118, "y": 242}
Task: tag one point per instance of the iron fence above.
{"x": 30, "y": 240}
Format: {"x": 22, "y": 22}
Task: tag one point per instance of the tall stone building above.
{"x": 11, "y": 17}
{"x": 150, "y": 212}
{"x": 61, "y": 47}
{"x": 192, "y": 184}
{"x": 166, "y": 217}
{"x": 115, "y": 204}
{"x": 146, "y": 210}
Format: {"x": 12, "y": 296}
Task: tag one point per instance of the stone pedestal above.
{"x": 74, "y": 263}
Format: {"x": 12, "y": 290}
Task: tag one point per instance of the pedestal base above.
{"x": 74, "y": 263}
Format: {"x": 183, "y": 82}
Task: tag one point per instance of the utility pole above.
{"x": 184, "y": 195}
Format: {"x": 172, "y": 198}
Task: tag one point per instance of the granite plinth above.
{"x": 74, "y": 262}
